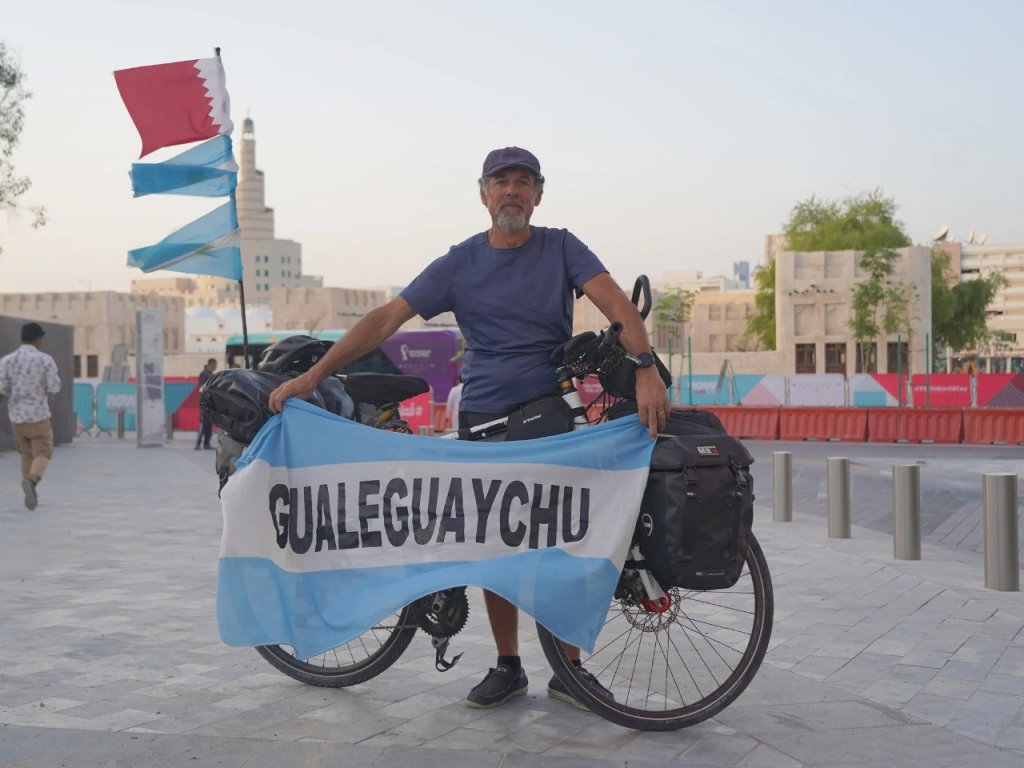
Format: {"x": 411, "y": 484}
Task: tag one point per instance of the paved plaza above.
{"x": 109, "y": 652}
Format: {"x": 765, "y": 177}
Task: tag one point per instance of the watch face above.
{"x": 644, "y": 360}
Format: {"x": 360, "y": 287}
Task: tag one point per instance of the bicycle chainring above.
{"x": 450, "y": 619}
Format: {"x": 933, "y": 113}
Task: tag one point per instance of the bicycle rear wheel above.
{"x": 354, "y": 662}
{"x": 677, "y": 668}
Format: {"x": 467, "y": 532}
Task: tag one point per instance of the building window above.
{"x": 806, "y": 361}
{"x": 898, "y": 352}
{"x": 78, "y": 366}
{"x": 835, "y": 358}
{"x": 92, "y": 365}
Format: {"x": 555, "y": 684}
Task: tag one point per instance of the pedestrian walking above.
{"x": 205, "y": 425}
{"x": 27, "y": 376}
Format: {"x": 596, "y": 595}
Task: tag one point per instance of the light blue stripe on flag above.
{"x": 207, "y": 246}
{"x": 208, "y": 170}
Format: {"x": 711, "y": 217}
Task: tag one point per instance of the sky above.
{"x": 674, "y": 135}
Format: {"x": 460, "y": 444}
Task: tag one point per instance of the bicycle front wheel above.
{"x": 354, "y": 662}
{"x": 679, "y": 667}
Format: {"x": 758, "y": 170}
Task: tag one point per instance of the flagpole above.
{"x": 241, "y": 284}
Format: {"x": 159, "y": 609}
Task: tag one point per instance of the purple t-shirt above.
{"x": 513, "y": 305}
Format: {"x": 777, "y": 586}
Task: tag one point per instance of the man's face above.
{"x": 510, "y": 197}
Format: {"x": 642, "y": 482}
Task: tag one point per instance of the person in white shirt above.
{"x": 452, "y": 408}
{"x": 27, "y": 376}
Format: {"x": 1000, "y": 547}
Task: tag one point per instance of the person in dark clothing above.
{"x": 205, "y": 426}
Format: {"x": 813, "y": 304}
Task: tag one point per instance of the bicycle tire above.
{"x": 720, "y": 640}
{"x": 371, "y": 653}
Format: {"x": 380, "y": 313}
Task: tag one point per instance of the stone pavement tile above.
{"x": 818, "y": 667}
{"x": 718, "y": 749}
{"x": 661, "y": 745}
{"x": 818, "y": 716}
{"x": 39, "y": 748}
{"x": 884, "y": 744}
{"x": 437, "y": 722}
{"x": 892, "y": 691}
{"x": 416, "y": 705}
{"x": 555, "y": 761}
{"x": 763, "y": 756}
{"x": 950, "y": 688}
{"x": 773, "y": 686}
{"x": 923, "y": 658}
{"x": 511, "y": 717}
{"x": 997, "y": 683}
{"x": 960, "y": 670}
{"x": 536, "y": 738}
{"x": 396, "y": 757}
{"x": 931, "y": 708}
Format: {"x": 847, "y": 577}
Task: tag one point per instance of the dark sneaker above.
{"x": 558, "y": 691}
{"x": 500, "y": 685}
{"x": 30, "y": 493}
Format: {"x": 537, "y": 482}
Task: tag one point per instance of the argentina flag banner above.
{"x": 330, "y": 526}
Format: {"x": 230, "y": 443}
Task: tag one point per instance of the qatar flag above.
{"x": 176, "y": 103}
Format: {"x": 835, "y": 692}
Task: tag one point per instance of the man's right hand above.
{"x": 301, "y": 386}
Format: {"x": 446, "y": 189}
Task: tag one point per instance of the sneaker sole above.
{"x": 31, "y": 500}
{"x": 499, "y": 702}
{"x": 568, "y": 699}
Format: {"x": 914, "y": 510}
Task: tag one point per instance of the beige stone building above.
{"x": 102, "y": 321}
{"x": 813, "y": 292}
{"x": 320, "y": 309}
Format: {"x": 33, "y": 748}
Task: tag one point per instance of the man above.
{"x": 205, "y": 425}
{"x": 27, "y": 376}
{"x": 511, "y": 289}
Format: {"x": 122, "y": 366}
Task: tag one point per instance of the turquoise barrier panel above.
{"x": 175, "y": 393}
{"x": 82, "y": 394}
{"x": 112, "y": 397}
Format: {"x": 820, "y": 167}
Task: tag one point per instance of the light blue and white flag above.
{"x": 210, "y": 245}
{"x": 330, "y": 526}
{"x": 208, "y": 170}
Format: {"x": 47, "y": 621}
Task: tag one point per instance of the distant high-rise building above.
{"x": 741, "y": 273}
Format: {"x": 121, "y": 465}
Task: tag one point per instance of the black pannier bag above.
{"x": 236, "y": 400}
{"x": 698, "y": 507}
{"x": 543, "y": 417}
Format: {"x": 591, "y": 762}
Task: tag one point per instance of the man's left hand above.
{"x": 651, "y": 400}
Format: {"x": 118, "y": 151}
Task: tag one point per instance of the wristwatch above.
{"x": 643, "y": 360}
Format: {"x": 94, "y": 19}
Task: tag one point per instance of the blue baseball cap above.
{"x": 510, "y": 157}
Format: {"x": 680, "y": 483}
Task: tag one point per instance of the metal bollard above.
{"x": 424, "y": 430}
{"x": 170, "y": 426}
{"x": 906, "y": 512}
{"x": 1002, "y": 566}
{"x": 838, "y": 498}
{"x": 782, "y": 487}
{"x": 120, "y": 425}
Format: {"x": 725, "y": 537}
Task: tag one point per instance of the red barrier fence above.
{"x": 991, "y": 425}
{"x": 749, "y": 422}
{"x": 849, "y": 425}
{"x": 915, "y": 425}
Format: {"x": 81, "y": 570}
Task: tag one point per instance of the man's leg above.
{"x": 24, "y": 445}
{"x": 42, "y": 449}
{"x": 507, "y": 679}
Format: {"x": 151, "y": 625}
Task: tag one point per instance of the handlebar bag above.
{"x": 542, "y": 417}
{"x": 236, "y": 400}
{"x": 697, "y": 511}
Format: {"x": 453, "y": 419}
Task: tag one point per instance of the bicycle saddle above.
{"x": 383, "y": 388}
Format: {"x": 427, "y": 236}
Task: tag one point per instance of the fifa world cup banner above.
{"x": 330, "y": 526}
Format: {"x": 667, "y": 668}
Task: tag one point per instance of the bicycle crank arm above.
{"x": 441, "y": 646}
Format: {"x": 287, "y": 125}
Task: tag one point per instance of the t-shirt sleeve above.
{"x": 430, "y": 293}
{"x": 580, "y": 262}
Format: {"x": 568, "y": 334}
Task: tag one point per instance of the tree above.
{"x": 960, "y": 307}
{"x": 761, "y": 324}
{"x": 865, "y": 222}
{"x": 671, "y": 310}
{"x": 12, "y": 118}
{"x": 878, "y": 304}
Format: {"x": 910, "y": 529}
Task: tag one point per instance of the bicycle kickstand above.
{"x": 441, "y": 645}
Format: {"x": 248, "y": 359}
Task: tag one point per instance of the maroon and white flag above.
{"x": 176, "y": 103}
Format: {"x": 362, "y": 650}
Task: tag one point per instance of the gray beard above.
{"x": 512, "y": 222}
